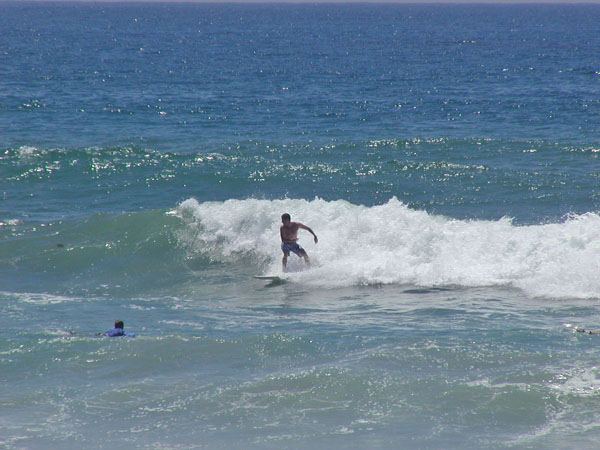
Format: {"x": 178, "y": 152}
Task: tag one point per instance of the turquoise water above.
{"x": 446, "y": 157}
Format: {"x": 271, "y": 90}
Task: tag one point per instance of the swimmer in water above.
{"x": 583, "y": 330}
{"x": 117, "y": 331}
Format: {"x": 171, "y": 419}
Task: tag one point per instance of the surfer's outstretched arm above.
{"x": 309, "y": 229}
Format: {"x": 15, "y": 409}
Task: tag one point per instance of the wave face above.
{"x": 98, "y": 255}
{"x": 392, "y": 243}
{"x": 358, "y": 245}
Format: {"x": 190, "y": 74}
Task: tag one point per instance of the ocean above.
{"x": 446, "y": 156}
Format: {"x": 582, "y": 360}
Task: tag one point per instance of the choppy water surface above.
{"x": 446, "y": 157}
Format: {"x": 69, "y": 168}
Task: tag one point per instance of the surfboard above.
{"x": 272, "y": 280}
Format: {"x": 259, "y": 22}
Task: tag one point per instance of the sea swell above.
{"x": 530, "y": 181}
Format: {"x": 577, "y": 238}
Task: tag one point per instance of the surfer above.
{"x": 583, "y": 330}
{"x": 117, "y": 330}
{"x": 289, "y": 236}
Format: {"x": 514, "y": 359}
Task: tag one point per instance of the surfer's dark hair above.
{"x": 119, "y": 324}
{"x": 285, "y": 216}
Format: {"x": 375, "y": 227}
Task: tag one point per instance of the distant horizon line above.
{"x": 259, "y": 2}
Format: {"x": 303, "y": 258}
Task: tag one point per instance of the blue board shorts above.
{"x": 288, "y": 247}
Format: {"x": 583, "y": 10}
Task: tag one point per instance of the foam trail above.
{"x": 391, "y": 243}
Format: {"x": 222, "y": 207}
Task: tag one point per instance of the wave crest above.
{"x": 392, "y": 243}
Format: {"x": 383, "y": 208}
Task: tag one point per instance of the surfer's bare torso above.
{"x": 289, "y": 236}
{"x": 289, "y": 232}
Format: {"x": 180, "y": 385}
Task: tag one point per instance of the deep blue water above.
{"x": 183, "y": 77}
{"x": 446, "y": 156}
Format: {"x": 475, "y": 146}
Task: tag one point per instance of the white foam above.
{"x": 38, "y": 298}
{"x": 10, "y": 222}
{"x": 582, "y": 382}
{"x": 392, "y": 243}
{"x": 26, "y": 150}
